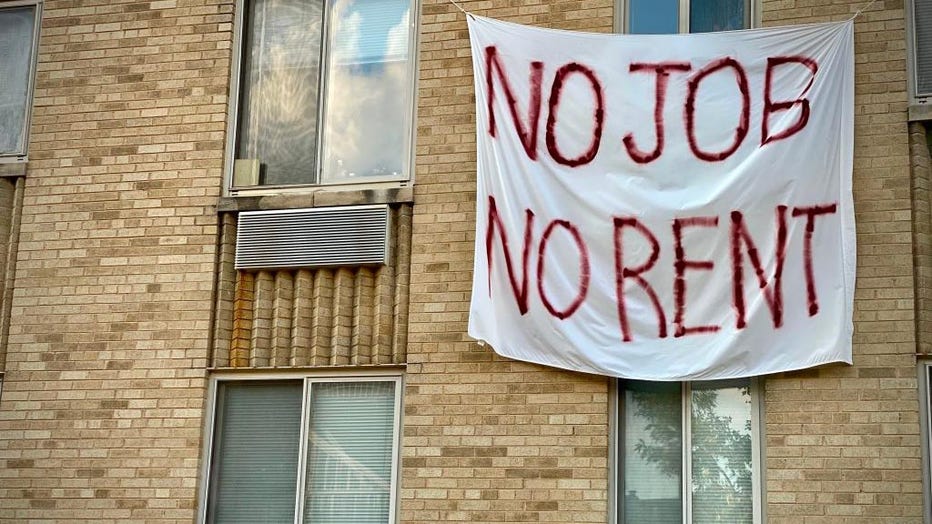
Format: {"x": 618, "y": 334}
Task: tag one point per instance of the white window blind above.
{"x": 279, "y": 456}
{"x": 922, "y": 18}
{"x": 17, "y": 27}
{"x": 349, "y": 463}
{"x": 373, "y": 31}
{"x": 255, "y": 465}
{"x": 720, "y": 441}
{"x": 653, "y": 451}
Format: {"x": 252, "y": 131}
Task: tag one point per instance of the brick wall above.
{"x": 843, "y": 442}
{"x": 922, "y": 233}
{"x": 103, "y": 396}
{"x": 497, "y": 441}
{"x": 485, "y": 439}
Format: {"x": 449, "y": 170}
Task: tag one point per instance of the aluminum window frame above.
{"x": 307, "y": 378}
{"x": 616, "y": 453}
{"x": 912, "y": 71}
{"x": 622, "y": 15}
{"x": 924, "y": 370}
{"x": 235, "y": 99}
{"x": 21, "y": 157}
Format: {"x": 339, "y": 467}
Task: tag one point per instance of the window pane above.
{"x": 255, "y": 458}
{"x": 655, "y": 17}
{"x": 717, "y": 15}
{"x": 278, "y": 104}
{"x": 922, "y": 46}
{"x": 721, "y": 454}
{"x": 653, "y": 429}
{"x": 16, "y": 33}
{"x": 367, "y": 122}
{"x": 349, "y": 465}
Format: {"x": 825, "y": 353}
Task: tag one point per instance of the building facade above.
{"x": 167, "y": 355}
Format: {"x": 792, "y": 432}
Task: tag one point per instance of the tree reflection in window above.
{"x": 347, "y": 87}
{"x": 720, "y": 452}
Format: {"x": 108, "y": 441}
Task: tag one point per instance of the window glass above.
{"x": 344, "y": 90}
{"x": 717, "y": 15}
{"x": 17, "y": 26}
{"x": 255, "y": 458}
{"x": 922, "y": 45}
{"x": 368, "y": 88}
{"x": 710, "y": 457}
{"x": 278, "y": 109}
{"x": 653, "y": 452}
{"x": 344, "y": 465}
{"x": 349, "y": 464}
{"x": 721, "y": 454}
{"x": 663, "y": 16}
{"x": 653, "y": 16}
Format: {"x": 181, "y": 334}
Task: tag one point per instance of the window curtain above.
{"x": 279, "y": 89}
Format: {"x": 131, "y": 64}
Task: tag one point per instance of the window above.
{"x": 19, "y": 28}
{"x": 688, "y": 453}
{"x": 925, "y": 416}
{"x": 919, "y": 16}
{"x": 325, "y": 92}
{"x": 314, "y": 450}
{"x": 684, "y": 16}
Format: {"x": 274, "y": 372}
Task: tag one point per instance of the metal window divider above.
{"x": 303, "y": 450}
{"x": 686, "y": 410}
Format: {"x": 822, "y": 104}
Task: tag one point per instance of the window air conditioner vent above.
{"x": 316, "y": 237}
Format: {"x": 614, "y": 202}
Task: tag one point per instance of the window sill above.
{"x": 12, "y": 169}
{"x": 320, "y": 198}
{"x": 920, "y": 112}
{"x": 279, "y": 373}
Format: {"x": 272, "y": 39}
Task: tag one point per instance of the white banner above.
{"x": 671, "y": 207}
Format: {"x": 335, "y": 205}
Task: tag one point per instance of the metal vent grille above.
{"x": 318, "y": 237}
{"x": 922, "y": 17}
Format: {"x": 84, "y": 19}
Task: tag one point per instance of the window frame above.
{"x": 920, "y": 106}
{"x": 621, "y": 15}
{"x": 924, "y": 369}
{"x": 235, "y": 97}
{"x": 616, "y": 453}
{"x": 912, "y": 71}
{"x": 22, "y": 157}
{"x": 307, "y": 378}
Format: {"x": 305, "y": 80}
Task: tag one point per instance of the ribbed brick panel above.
{"x": 11, "y": 210}
{"x": 922, "y": 233}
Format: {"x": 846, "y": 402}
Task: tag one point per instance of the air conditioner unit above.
{"x": 313, "y": 237}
